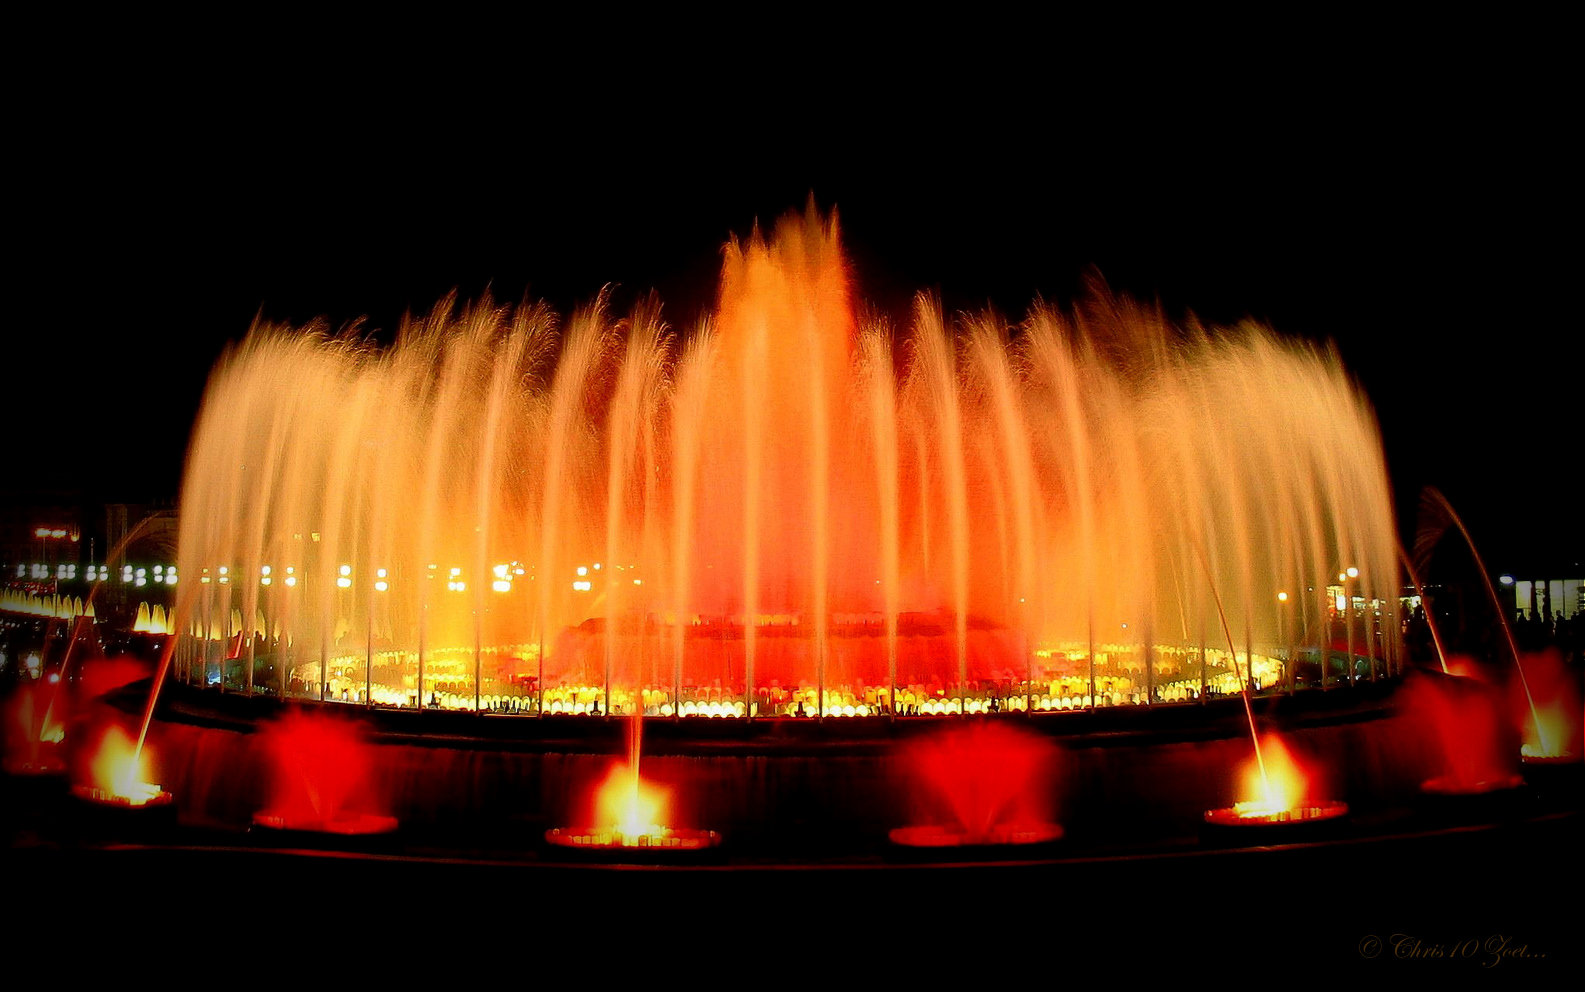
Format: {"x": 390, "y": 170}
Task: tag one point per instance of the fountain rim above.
{"x": 1120, "y": 726}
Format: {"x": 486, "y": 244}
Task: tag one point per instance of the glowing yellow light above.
{"x": 638, "y": 582}
{"x": 1280, "y": 788}
{"x": 1282, "y": 597}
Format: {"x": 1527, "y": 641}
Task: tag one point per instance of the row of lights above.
{"x": 132, "y": 575}
{"x": 503, "y": 577}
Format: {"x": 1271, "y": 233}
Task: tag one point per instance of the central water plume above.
{"x": 781, "y": 510}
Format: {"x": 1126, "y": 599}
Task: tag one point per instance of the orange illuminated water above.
{"x": 784, "y": 509}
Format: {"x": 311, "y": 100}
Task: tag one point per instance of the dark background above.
{"x": 1411, "y": 210}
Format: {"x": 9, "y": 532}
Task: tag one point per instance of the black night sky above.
{"x": 1419, "y": 227}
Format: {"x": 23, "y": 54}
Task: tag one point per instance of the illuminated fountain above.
{"x": 783, "y": 512}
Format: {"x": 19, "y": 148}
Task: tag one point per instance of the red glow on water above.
{"x": 320, "y": 776}
{"x": 1464, "y": 721}
{"x": 991, "y": 780}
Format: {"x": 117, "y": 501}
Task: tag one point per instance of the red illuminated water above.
{"x": 982, "y": 783}
{"x": 320, "y": 777}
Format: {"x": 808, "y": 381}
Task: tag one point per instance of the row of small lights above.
{"x": 138, "y": 576}
{"x": 504, "y": 575}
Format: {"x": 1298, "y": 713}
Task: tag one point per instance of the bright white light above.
{"x": 223, "y": 570}
{"x": 638, "y": 582}
{"x": 1353, "y": 572}
{"x": 582, "y": 585}
{"x": 501, "y": 585}
{"x": 381, "y": 586}
{"x": 582, "y": 570}
{"x": 596, "y": 566}
{"x": 500, "y": 571}
{"x": 1282, "y": 597}
{"x": 1506, "y": 580}
{"x": 346, "y": 570}
{"x": 379, "y": 573}
{"x": 344, "y": 582}
{"x": 291, "y": 580}
{"x": 264, "y": 581}
{"x": 1342, "y": 602}
{"x": 456, "y": 572}
{"x": 264, "y": 570}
